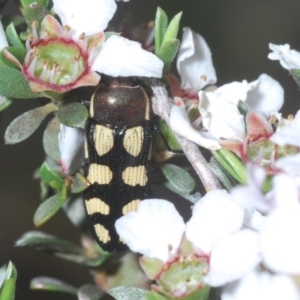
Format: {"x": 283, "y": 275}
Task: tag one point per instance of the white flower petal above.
{"x": 90, "y": 16}
{"x": 234, "y": 91}
{"x": 280, "y": 242}
{"x": 229, "y": 125}
{"x": 3, "y": 39}
{"x": 261, "y": 286}
{"x": 289, "y": 134}
{"x": 154, "y": 230}
{"x": 121, "y": 57}
{"x": 194, "y": 62}
{"x": 289, "y": 59}
{"x": 214, "y": 217}
{"x": 266, "y": 95}
{"x": 233, "y": 257}
{"x": 180, "y": 123}
{"x": 289, "y": 164}
{"x": 71, "y": 142}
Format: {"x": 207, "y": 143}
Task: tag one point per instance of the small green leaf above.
{"x": 75, "y": 210}
{"x": 23, "y": 126}
{"x": 47, "y": 210}
{"x": 73, "y": 115}
{"x": 161, "y": 23}
{"x": 48, "y": 243}
{"x": 14, "y": 84}
{"x": 52, "y": 284}
{"x": 50, "y": 139}
{"x": 172, "y": 30}
{"x": 80, "y": 184}
{"x": 168, "y": 51}
{"x": 13, "y": 37}
{"x": 90, "y": 292}
{"x": 51, "y": 177}
{"x": 180, "y": 179}
{"x": 7, "y": 291}
{"x": 232, "y": 164}
{"x": 4, "y": 103}
{"x": 128, "y": 293}
{"x": 296, "y": 75}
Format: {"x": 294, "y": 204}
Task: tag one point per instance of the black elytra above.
{"x": 117, "y": 155}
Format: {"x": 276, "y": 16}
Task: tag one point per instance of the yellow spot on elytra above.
{"x": 131, "y": 206}
{"x": 96, "y": 205}
{"x": 102, "y": 233}
{"x": 99, "y": 174}
{"x": 133, "y": 140}
{"x": 104, "y": 139}
{"x": 135, "y": 175}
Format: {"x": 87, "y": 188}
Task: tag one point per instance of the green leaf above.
{"x": 172, "y": 30}
{"x": 73, "y": 115}
{"x": 128, "y": 293}
{"x": 296, "y": 75}
{"x": 47, "y": 210}
{"x": 80, "y": 183}
{"x": 52, "y": 284}
{"x": 14, "y": 84}
{"x": 168, "y": 51}
{"x": 7, "y": 291}
{"x": 75, "y": 210}
{"x": 51, "y": 177}
{"x": 23, "y": 126}
{"x": 232, "y": 164}
{"x": 180, "y": 179}
{"x": 51, "y": 244}
{"x": 161, "y": 23}
{"x": 13, "y": 37}
{"x": 90, "y": 292}
{"x": 50, "y": 139}
{"x": 4, "y": 103}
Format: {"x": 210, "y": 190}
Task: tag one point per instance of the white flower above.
{"x": 194, "y": 62}
{"x": 261, "y": 285}
{"x": 154, "y": 230}
{"x": 220, "y": 117}
{"x": 289, "y": 59}
{"x": 70, "y": 145}
{"x": 3, "y": 40}
{"x": 117, "y": 56}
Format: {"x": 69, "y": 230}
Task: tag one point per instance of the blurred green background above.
{"x": 238, "y": 33}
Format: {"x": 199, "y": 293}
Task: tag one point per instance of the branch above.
{"x": 161, "y": 104}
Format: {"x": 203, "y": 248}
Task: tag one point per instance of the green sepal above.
{"x": 47, "y": 210}
{"x": 151, "y": 266}
{"x": 73, "y": 115}
{"x": 50, "y": 139}
{"x": 80, "y": 183}
{"x": 14, "y": 84}
{"x": 4, "y": 103}
{"x": 47, "y": 243}
{"x": 179, "y": 180}
{"x": 232, "y": 164}
{"x": 13, "y": 37}
{"x": 172, "y": 30}
{"x": 49, "y": 176}
{"x": 128, "y": 293}
{"x": 52, "y": 284}
{"x": 26, "y": 124}
{"x": 161, "y": 23}
{"x": 296, "y": 75}
{"x": 90, "y": 292}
